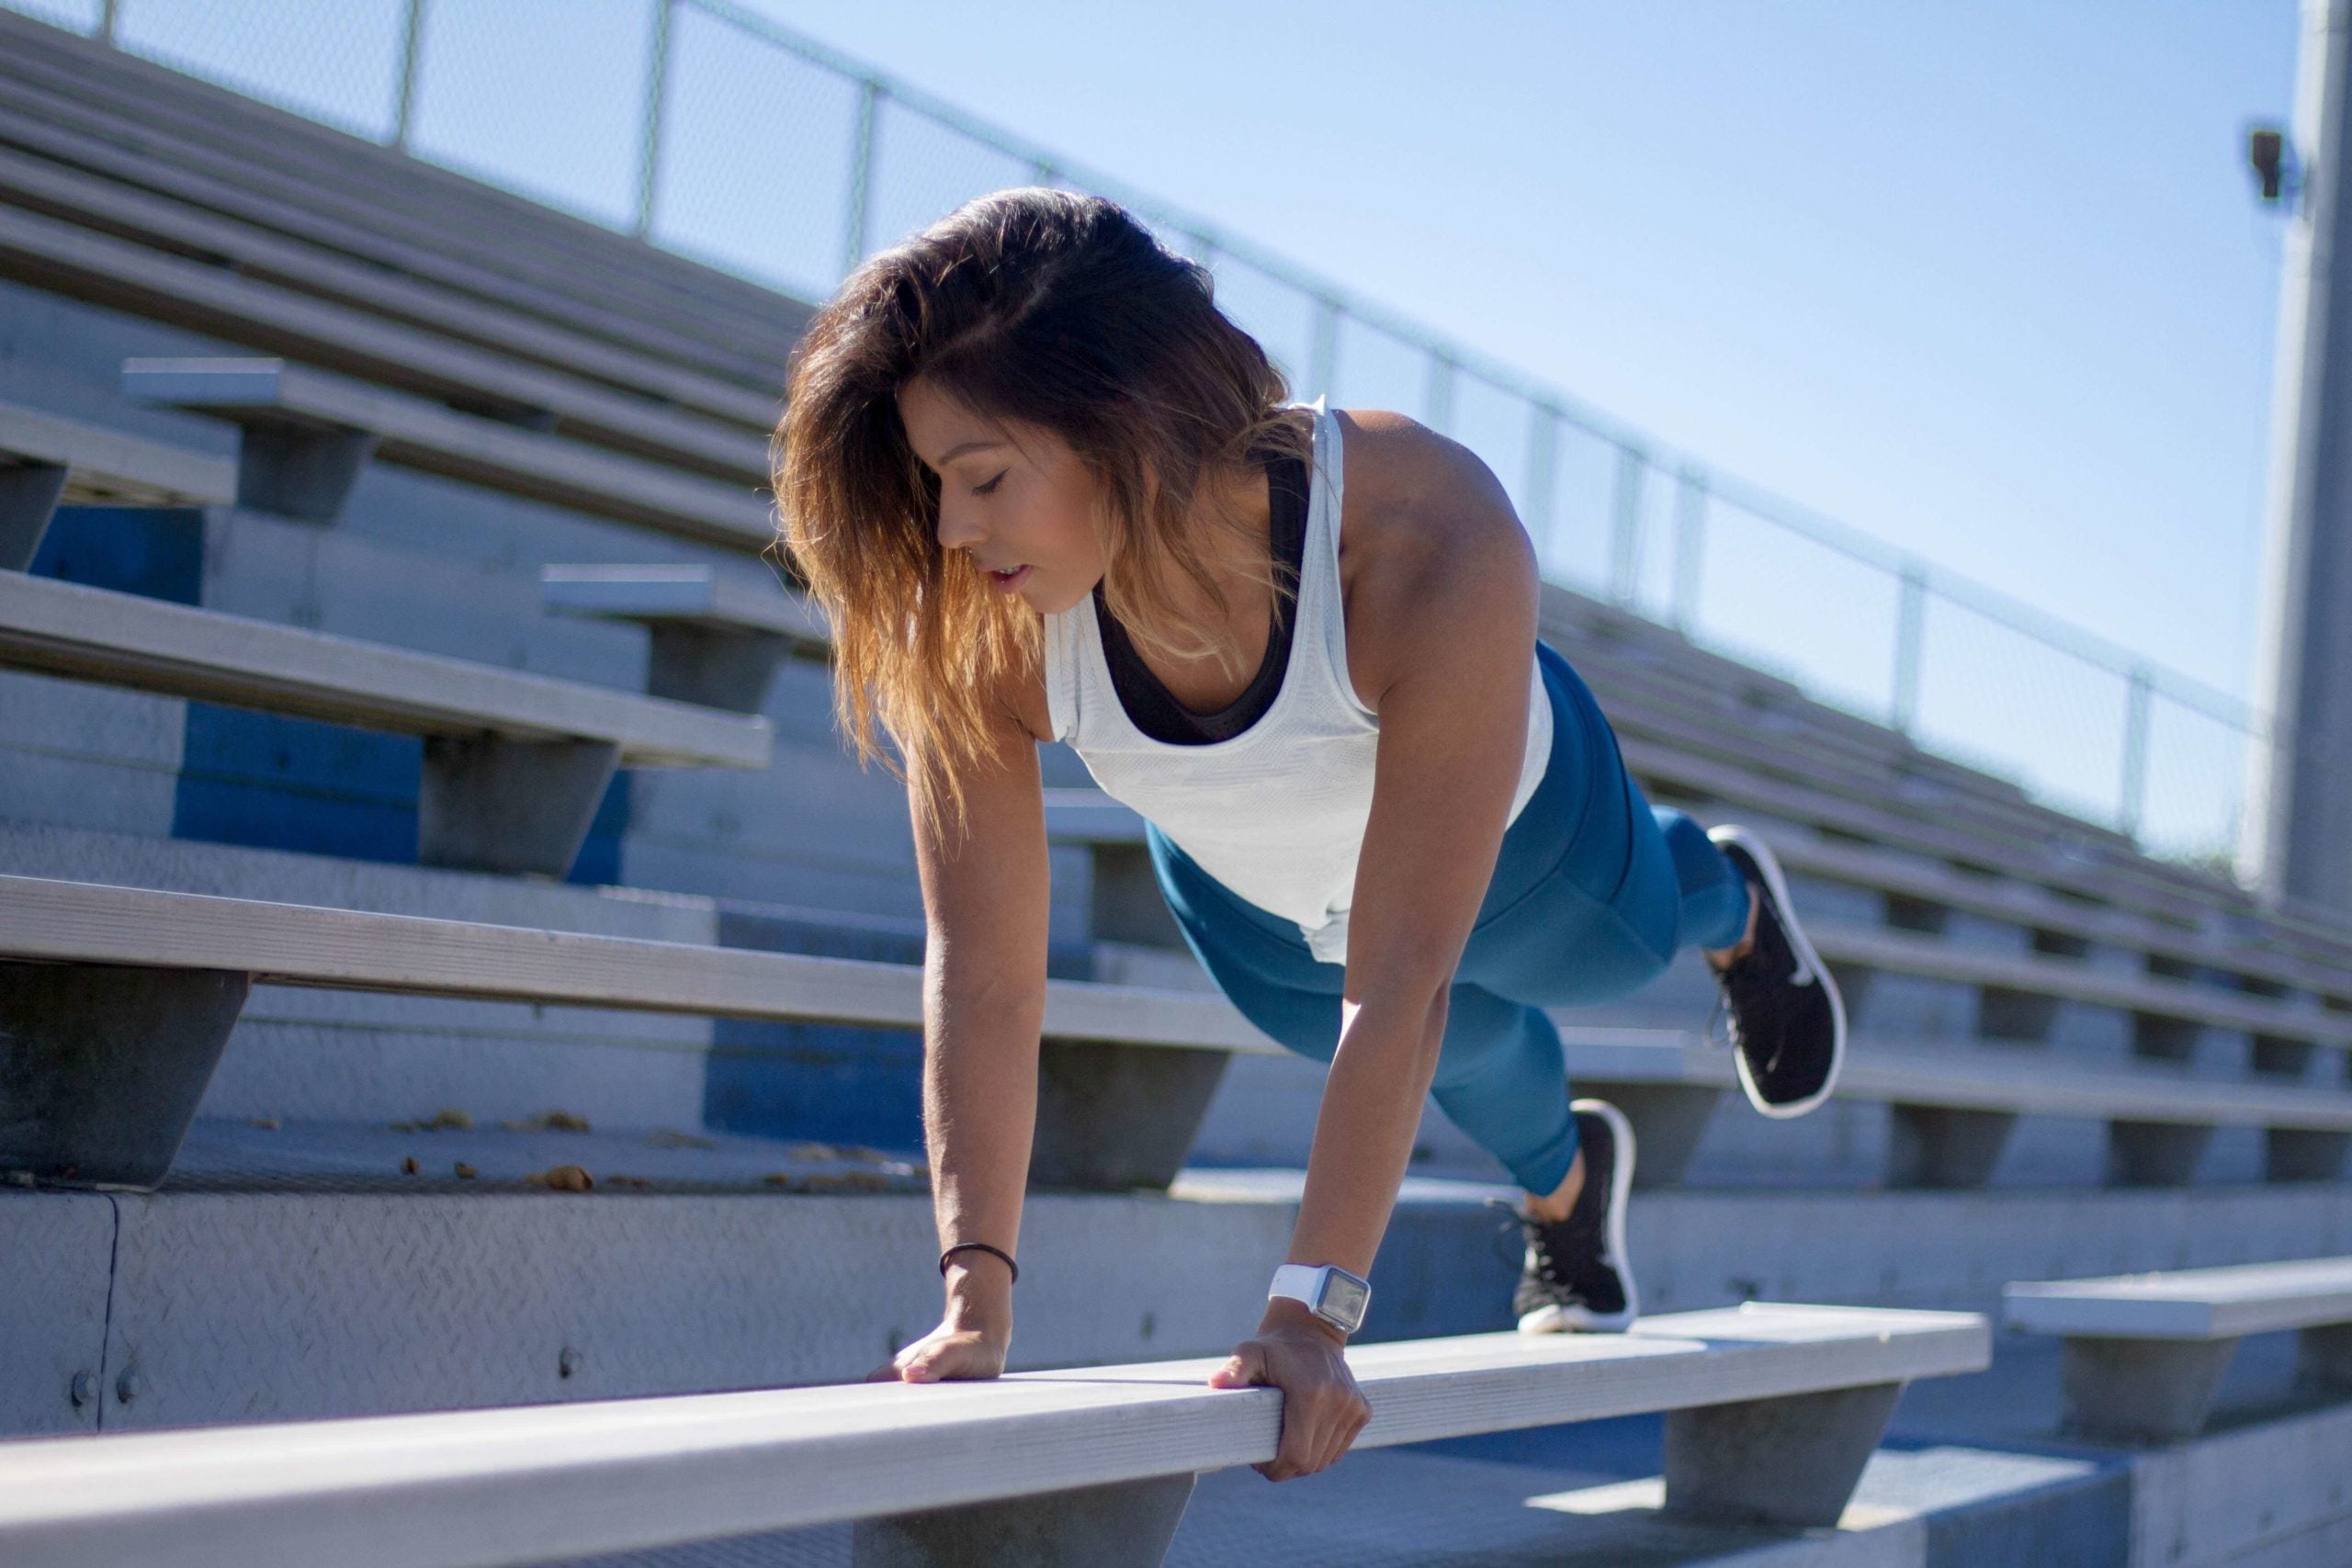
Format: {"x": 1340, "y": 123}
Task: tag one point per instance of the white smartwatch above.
{"x": 1330, "y": 1292}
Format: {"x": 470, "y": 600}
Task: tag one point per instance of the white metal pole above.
{"x": 2298, "y": 839}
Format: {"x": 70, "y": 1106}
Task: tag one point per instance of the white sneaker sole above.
{"x": 1762, "y": 853}
{"x": 1559, "y": 1319}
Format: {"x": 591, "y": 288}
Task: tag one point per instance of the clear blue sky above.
{"x": 1983, "y": 279}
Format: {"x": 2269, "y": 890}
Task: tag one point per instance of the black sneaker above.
{"x": 1787, "y": 1019}
{"x": 1574, "y": 1274}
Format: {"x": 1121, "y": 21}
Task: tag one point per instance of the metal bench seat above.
{"x": 1770, "y": 1413}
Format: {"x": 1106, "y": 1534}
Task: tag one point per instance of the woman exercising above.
{"x": 1043, "y": 489}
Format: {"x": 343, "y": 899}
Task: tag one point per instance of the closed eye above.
{"x": 990, "y": 486}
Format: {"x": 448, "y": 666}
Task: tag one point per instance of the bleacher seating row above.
{"x": 1770, "y": 1415}
{"x": 1097, "y": 1471}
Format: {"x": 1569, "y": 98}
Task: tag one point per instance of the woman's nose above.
{"x": 956, "y": 532}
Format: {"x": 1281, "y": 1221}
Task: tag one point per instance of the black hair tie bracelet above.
{"x": 978, "y": 1246}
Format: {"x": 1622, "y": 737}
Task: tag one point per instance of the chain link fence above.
{"x": 722, "y": 136}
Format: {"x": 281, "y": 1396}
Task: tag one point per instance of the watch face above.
{"x": 1344, "y": 1298}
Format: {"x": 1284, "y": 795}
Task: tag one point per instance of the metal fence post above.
{"x": 861, "y": 174}
{"x": 1690, "y": 545}
{"x": 1437, "y": 396}
{"x": 106, "y": 22}
{"x": 1910, "y": 644}
{"x": 1542, "y": 457}
{"x": 412, "y": 40}
{"x": 1325, "y": 360}
{"x": 2131, "y": 802}
{"x": 657, "y": 93}
{"x": 1625, "y": 539}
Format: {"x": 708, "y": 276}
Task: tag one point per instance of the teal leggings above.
{"x": 1593, "y": 891}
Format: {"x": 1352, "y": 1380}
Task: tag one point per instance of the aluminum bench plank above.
{"x": 2187, "y": 1304}
{"x": 695, "y": 594}
{"x": 297, "y": 944}
{"x": 95, "y": 634}
{"x": 1902, "y": 953}
{"x": 426, "y": 434}
{"x": 520, "y": 1484}
{"x": 1965, "y": 1078}
{"x": 107, "y": 466}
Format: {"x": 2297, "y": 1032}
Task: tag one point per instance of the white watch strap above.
{"x": 1299, "y": 1282}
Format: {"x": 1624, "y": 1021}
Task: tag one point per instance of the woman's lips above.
{"x": 1008, "y": 583}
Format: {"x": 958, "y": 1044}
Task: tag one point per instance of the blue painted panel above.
{"x": 833, "y": 1082}
{"x": 155, "y": 552}
{"x": 275, "y": 783}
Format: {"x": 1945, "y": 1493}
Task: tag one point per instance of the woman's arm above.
{"x": 1453, "y": 737}
{"x": 1453, "y": 613}
{"x": 985, "y": 903}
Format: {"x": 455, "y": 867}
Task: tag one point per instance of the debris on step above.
{"x": 448, "y": 1116}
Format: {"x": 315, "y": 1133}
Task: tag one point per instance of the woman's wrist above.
{"x": 1285, "y": 1313}
{"x": 980, "y": 1296}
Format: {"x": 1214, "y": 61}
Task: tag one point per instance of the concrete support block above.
{"x": 493, "y": 802}
{"x": 101, "y": 1068}
{"x": 29, "y": 493}
{"x": 2154, "y": 1154}
{"x": 1111, "y": 1117}
{"x": 1669, "y": 1120}
{"x": 2141, "y": 1390}
{"x": 2303, "y": 1154}
{"x": 713, "y": 667}
{"x": 300, "y": 469}
{"x": 1126, "y": 1525}
{"x": 1792, "y": 1461}
{"x": 2323, "y": 1357}
{"x": 1939, "y": 1146}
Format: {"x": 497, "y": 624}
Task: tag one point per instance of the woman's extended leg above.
{"x": 1595, "y": 890}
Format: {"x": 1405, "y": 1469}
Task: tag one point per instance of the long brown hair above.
{"x": 1061, "y": 311}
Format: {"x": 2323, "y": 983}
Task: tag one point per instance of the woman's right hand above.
{"x": 949, "y": 1352}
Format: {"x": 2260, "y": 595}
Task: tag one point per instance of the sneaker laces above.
{"x": 1558, "y": 1245}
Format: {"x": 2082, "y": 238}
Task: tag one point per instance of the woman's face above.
{"x": 1013, "y": 498}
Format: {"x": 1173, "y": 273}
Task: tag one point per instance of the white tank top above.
{"x": 1277, "y": 812}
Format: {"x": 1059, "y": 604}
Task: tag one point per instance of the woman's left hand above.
{"x": 1322, "y": 1408}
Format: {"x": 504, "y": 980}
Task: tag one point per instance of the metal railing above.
{"x": 721, "y": 135}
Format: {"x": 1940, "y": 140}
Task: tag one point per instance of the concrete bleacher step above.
{"x": 164, "y": 219}
{"x": 275, "y": 319}
{"x": 712, "y": 637}
{"x": 300, "y": 1269}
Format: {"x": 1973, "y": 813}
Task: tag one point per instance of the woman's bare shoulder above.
{"x": 1417, "y": 509}
{"x": 1406, "y": 482}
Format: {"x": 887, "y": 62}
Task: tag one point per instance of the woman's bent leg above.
{"x": 1501, "y": 1078}
{"x": 1499, "y": 1075}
